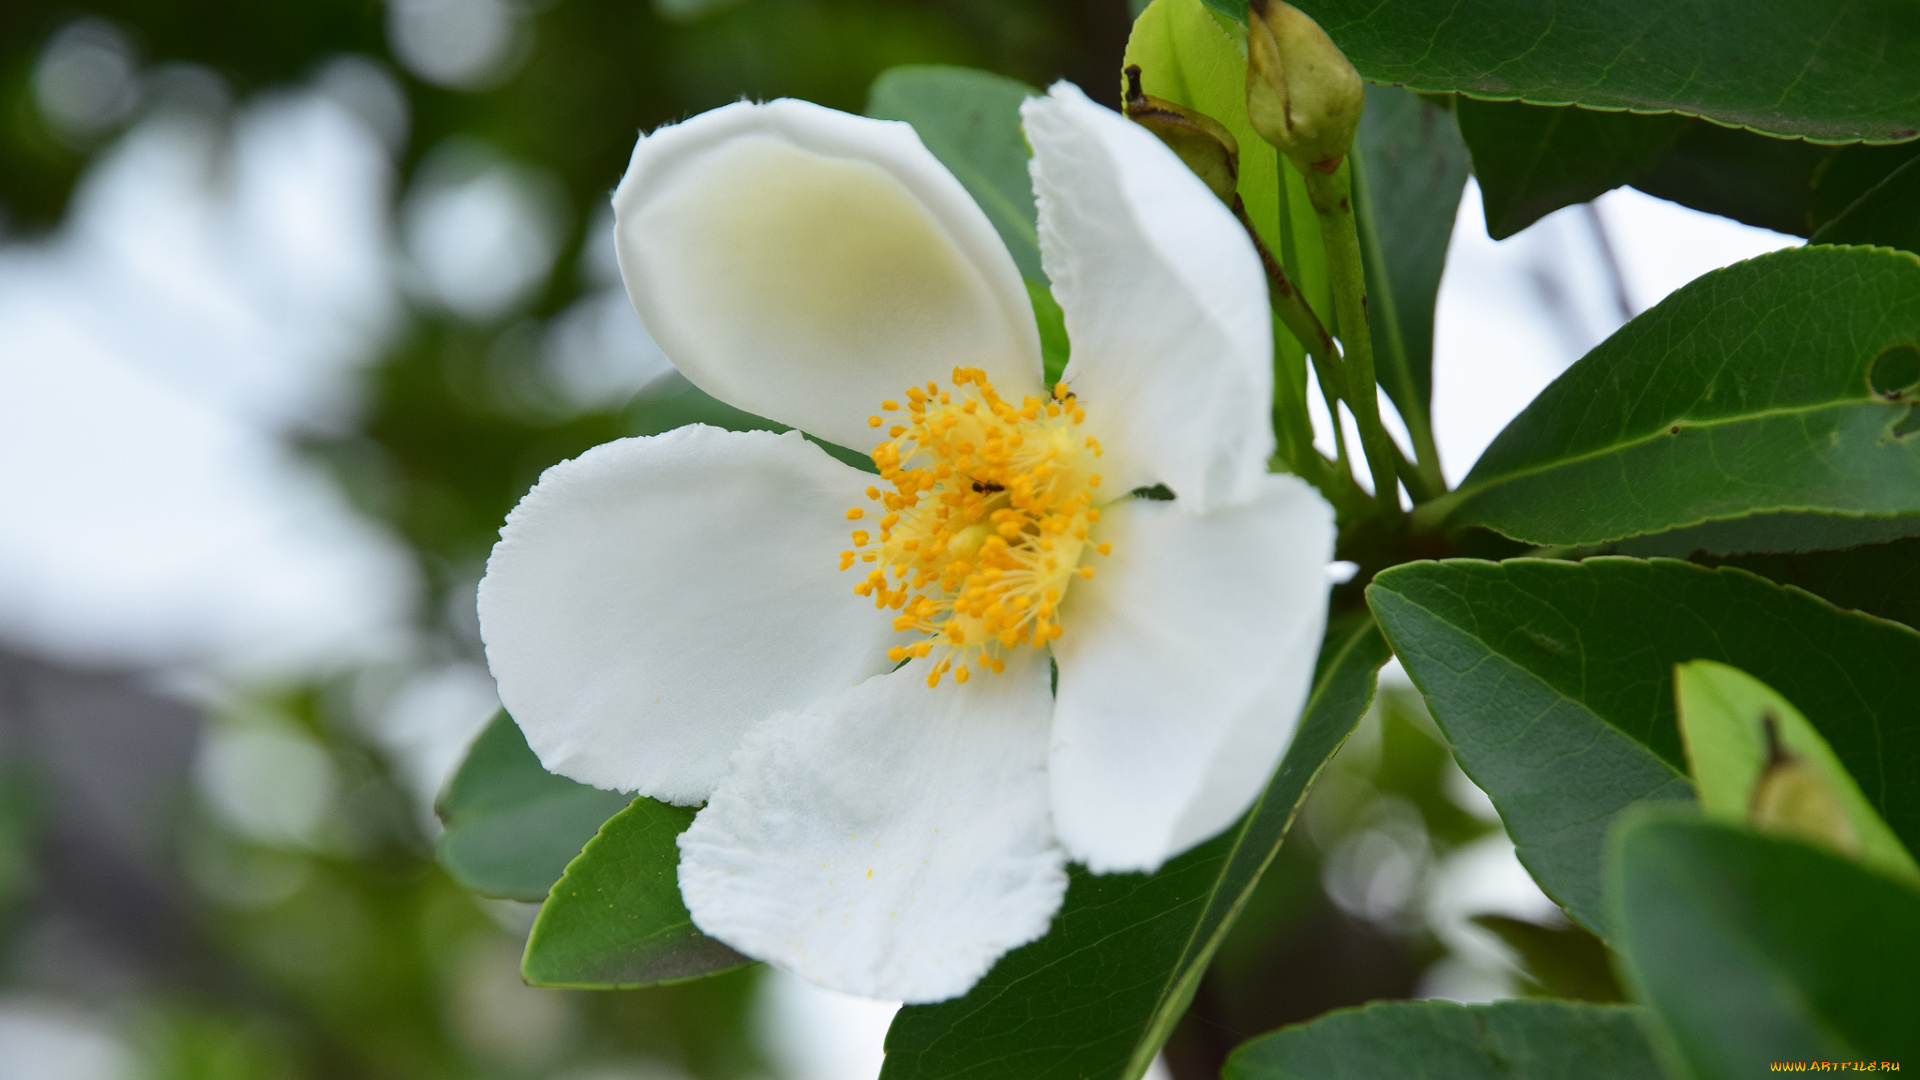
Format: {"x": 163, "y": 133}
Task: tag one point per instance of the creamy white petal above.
{"x": 890, "y": 841}
{"x": 1165, "y": 301}
{"x": 653, "y": 598}
{"x": 1184, "y": 663}
{"x": 806, "y": 264}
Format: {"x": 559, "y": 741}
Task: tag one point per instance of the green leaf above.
{"x": 1531, "y": 160}
{"x": 1506, "y": 1040}
{"x": 1745, "y": 741}
{"x": 1798, "y": 68}
{"x": 1534, "y": 159}
{"x": 1775, "y": 533}
{"x": 1096, "y": 997}
{"x": 670, "y": 401}
{"x": 1761, "y": 181}
{"x": 1411, "y": 167}
{"x": 511, "y": 825}
{"x": 970, "y": 120}
{"x": 1852, "y": 172}
{"x": 1748, "y": 392}
{"x": 615, "y": 919}
{"x": 1560, "y": 961}
{"x": 1888, "y": 214}
{"x": 1753, "y": 949}
{"x": 1880, "y": 579}
{"x": 1554, "y": 683}
{"x": 1054, "y": 346}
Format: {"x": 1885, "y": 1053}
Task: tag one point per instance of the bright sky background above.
{"x": 195, "y": 310}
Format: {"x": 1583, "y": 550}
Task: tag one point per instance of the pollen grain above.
{"x": 984, "y": 509}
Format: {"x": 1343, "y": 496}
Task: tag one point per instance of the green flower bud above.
{"x": 1302, "y": 94}
{"x": 1207, "y": 147}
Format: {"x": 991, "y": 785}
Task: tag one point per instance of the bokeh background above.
{"x": 296, "y": 299}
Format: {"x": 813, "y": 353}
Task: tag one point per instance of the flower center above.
{"x": 984, "y": 522}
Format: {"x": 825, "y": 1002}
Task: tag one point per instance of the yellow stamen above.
{"x": 986, "y": 507}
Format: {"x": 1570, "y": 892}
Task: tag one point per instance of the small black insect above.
{"x": 987, "y": 487}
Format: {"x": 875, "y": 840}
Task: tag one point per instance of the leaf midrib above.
{"x": 1467, "y": 493}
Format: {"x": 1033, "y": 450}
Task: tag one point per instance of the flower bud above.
{"x": 1302, "y": 94}
{"x": 1207, "y": 147}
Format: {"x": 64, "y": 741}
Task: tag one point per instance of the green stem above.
{"x": 1334, "y": 479}
{"x": 1419, "y": 486}
{"x": 1352, "y": 502}
{"x": 1393, "y": 350}
{"x": 1292, "y": 308}
{"x": 1332, "y": 197}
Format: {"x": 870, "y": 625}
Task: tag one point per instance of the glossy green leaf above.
{"x": 615, "y": 919}
{"x": 1748, "y": 392}
{"x": 1752, "y": 949}
{"x": 1531, "y": 160}
{"x": 1506, "y": 1040}
{"x": 1854, "y": 171}
{"x": 1410, "y": 169}
{"x": 1761, "y": 181}
{"x": 1096, "y": 997}
{"x": 1800, "y": 68}
{"x": 1775, "y": 533}
{"x": 1879, "y": 579}
{"x": 970, "y": 119}
{"x": 1888, "y": 214}
{"x": 1851, "y": 172}
{"x": 1561, "y": 961}
{"x": 1554, "y": 683}
{"x": 1741, "y": 737}
{"x": 512, "y": 826}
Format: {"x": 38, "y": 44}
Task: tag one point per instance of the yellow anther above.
{"x": 856, "y": 514}
{"x": 986, "y": 508}
{"x": 873, "y": 421}
{"x": 1104, "y": 548}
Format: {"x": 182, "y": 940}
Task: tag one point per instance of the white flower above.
{"x": 684, "y": 615}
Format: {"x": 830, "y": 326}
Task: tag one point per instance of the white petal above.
{"x": 806, "y": 264}
{"x": 1184, "y": 663}
{"x": 891, "y": 841}
{"x": 1165, "y": 300}
{"x": 653, "y": 598}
